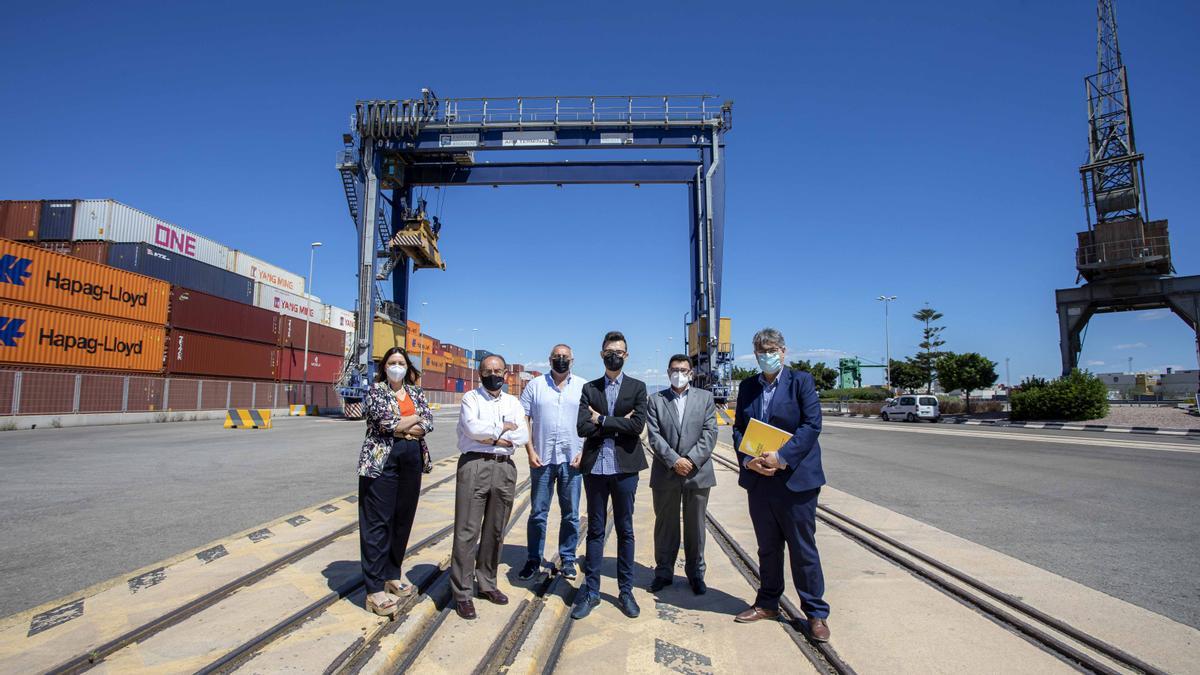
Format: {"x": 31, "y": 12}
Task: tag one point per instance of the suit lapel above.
{"x": 781, "y": 383}
{"x": 672, "y": 411}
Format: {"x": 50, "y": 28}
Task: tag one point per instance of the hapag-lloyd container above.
{"x": 110, "y": 220}
{"x": 321, "y": 339}
{"x": 32, "y": 275}
{"x": 264, "y": 272}
{"x": 204, "y": 313}
{"x": 181, "y": 271}
{"x": 321, "y": 367}
{"x": 279, "y": 300}
{"x": 190, "y": 353}
{"x": 42, "y": 336}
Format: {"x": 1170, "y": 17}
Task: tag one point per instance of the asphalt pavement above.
{"x": 1112, "y": 511}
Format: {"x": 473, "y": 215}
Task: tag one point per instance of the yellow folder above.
{"x": 761, "y": 437}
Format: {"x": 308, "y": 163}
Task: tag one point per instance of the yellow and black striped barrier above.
{"x": 302, "y": 410}
{"x": 248, "y": 418}
{"x": 724, "y": 418}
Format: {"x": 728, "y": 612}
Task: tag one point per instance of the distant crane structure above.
{"x": 1123, "y": 256}
{"x": 850, "y": 371}
{"x": 395, "y": 146}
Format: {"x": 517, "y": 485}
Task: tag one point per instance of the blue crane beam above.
{"x": 553, "y": 173}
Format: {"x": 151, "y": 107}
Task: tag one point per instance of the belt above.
{"x": 486, "y": 455}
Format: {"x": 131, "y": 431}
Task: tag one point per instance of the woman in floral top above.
{"x": 393, "y": 457}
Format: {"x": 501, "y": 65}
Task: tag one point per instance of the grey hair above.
{"x": 769, "y": 336}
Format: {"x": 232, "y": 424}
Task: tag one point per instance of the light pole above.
{"x": 474, "y": 356}
{"x": 887, "y": 340}
{"x": 308, "y": 288}
{"x": 1007, "y": 377}
{"x": 420, "y": 346}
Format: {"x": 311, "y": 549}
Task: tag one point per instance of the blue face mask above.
{"x": 770, "y": 362}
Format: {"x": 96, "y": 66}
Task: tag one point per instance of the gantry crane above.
{"x": 397, "y": 145}
{"x": 1123, "y": 256}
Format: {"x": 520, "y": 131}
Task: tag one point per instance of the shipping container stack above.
{"x": 100, "y": 286}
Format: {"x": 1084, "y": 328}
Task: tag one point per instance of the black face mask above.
{"x": 560, "y": 364}
{"x": 614, "y": 362}
{"x": 492, "y": 382}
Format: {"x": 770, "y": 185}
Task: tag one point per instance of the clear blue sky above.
{"x": 926, "y": 150}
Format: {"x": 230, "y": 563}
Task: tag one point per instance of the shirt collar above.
{"x": 487, "y": 395}
{"x": 618, "y": 381}
{"x": 770, "y": 385}
{"x": 676, "y": 394}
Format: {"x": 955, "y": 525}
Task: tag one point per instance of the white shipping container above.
{"x": 341, "y": 319}
{"x": 279, "y": 300}
{"x": 240, "y": 262}
{"x": 110, "y": 220}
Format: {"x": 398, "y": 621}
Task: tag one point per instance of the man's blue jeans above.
{"x": 542, "y": 483}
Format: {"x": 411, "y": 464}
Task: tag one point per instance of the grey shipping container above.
{"x": 181, "y": 270}
{"x": 57, "y": 219}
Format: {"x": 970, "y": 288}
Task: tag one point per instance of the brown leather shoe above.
{"x": 756, "y": 614}
{"x": 494, "y": 597}
{"x": 466, "y": 609}
{"x": 819, "y": 629}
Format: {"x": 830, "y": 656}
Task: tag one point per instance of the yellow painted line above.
{"x": 724, "y": 419}
{"x": 1024, "y": 438}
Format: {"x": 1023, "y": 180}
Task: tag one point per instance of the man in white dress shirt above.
{"x": 490, "y": 425}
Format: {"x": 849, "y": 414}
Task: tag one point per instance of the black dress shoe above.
{"x": 465, "y": 609}
{"x": 698, "y": 586}
{"x": 531, "y": 568}
{"x": 586, "y": 604}
{"x": 629, "y": 606}
{"x": 660, "y": 583}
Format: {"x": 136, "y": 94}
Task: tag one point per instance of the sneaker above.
{"x": 568, "y": 571}
{"x": 531, "y": 568}
{"x": 586, "y": 604}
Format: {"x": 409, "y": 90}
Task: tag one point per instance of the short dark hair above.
{"x": 613, "y": 336}
{"x": 412, "y": 376}
{"x": 679, "y": 357}
{"x": 492, "y": 356}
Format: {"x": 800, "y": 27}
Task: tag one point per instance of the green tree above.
{"x": 739, "y": 373}
{"x": 931, "y": 344}
{"x": 966, "y": 372}
{"x": 907, "y": 375}
{"x": 1078, "y": 396}
{"x": 824, "y": 376}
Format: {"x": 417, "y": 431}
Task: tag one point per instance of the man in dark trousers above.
{"x": 612, "y": 414}
{"x": 783, "y": 486}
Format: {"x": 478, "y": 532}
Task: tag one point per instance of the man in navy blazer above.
{"x": 783, "y": 486}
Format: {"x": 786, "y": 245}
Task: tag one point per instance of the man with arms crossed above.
{"x": 490, "y": 426}
{"x": 612, "y": 414}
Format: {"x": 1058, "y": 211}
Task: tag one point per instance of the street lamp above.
{"x": 887, "y": 341}
{"x": 308, "y": 288}
{"x": 474, "y": 356}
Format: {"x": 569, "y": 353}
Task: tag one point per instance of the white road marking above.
{"x": 1029, "y": 438}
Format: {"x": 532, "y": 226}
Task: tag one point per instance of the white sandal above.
{"x": 386, "y": 607}
{"x": 398, "y": 588}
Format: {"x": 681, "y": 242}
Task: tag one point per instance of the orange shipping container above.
{"x": 35, "y": 276}
{"x": 39, "y": 336}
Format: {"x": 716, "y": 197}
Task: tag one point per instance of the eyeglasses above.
{"x": 767, "y": 352}
{"x": 679, "y": 371}
{"x": 494, "y": 371}
{"x": 613, "y": 352}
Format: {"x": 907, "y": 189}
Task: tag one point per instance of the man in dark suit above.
{"x": 783, "y": 486}
{"x": 612, "y": 414}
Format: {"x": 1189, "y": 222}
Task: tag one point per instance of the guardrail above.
{"x": 1124, "y": 251}
{"x": 33, "y": 392}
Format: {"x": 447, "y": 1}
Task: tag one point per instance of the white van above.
{"x": 911, "y": 407}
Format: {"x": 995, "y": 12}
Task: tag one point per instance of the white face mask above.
{"x": 680, "y": 380}
{"x": 396, "y": 373}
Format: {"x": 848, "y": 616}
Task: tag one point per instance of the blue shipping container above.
{"x": 182, "y": 271}
{"x": 458, "y": 386}
{"x": 57, "y": 219}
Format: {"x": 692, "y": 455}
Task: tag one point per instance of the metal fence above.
{"x": 32, "y": 392}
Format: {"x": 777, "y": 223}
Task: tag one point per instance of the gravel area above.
{"x": 1144, "y": 416}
